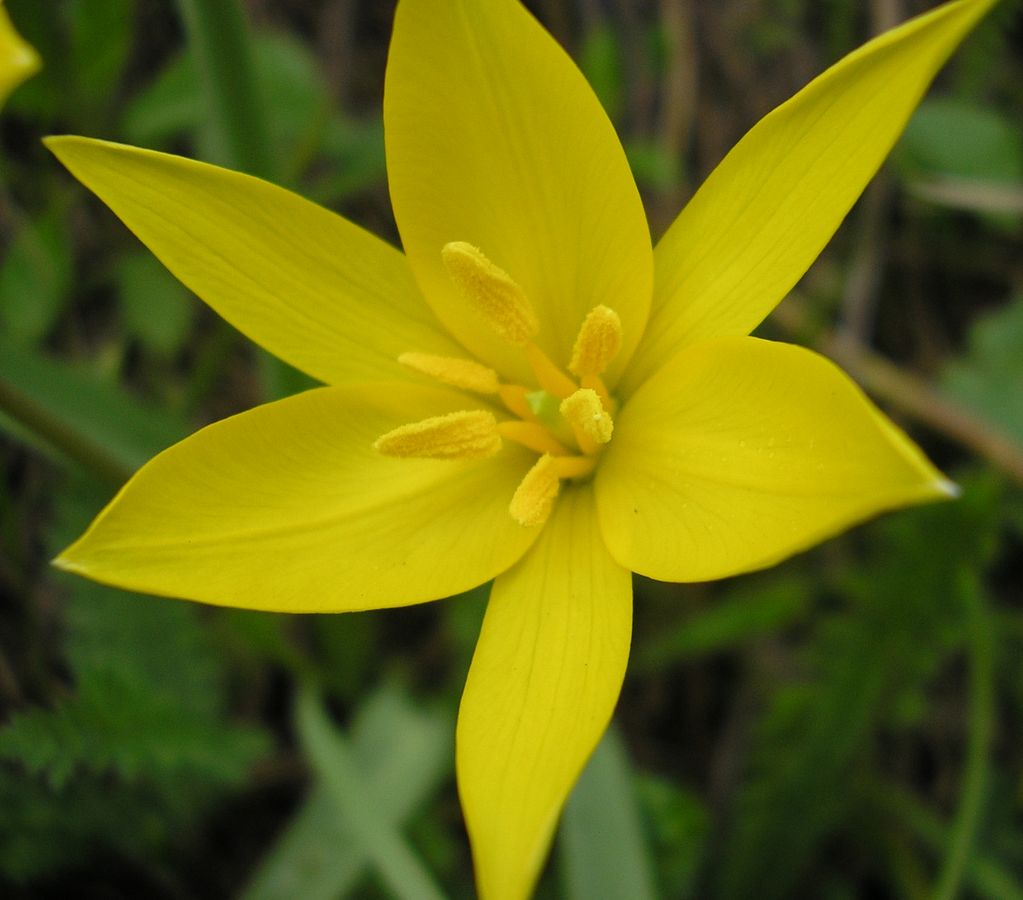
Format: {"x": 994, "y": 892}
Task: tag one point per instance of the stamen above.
{"x": 574, "y": 466}
{"x": 596, "y": 383}
{"x": 491, "y": 291}
{"x": 592, "y": 425}
{"x": 514, "y": 396}
{"x": 548, "y": 375}
{"x": 468, "y": 434}
{"x": 533, "y": 436}
{"x": 598, "y": 342}
{"x": 531, "y": 504}
{"x": 460, "y": 373}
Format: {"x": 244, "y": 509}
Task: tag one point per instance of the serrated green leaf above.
{"x": 121, "y": 728}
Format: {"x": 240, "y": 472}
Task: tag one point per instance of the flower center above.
{"x": 567, "y": 421}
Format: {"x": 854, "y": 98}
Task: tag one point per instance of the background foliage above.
{"x": 849, "y": 724}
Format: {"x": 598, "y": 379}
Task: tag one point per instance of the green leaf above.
{"x": 156, "y": 307}
{"x": 600, "y": 59}
{"x": 957, "y": 154}
{"x": 949, "y": 137}
{"x": 603, "y": 849}
{"x": 753, "y": 608}
{"x": 71, "y": 403}
{"x": 679, "y": 827}
{"x": 101, "y": 38}
{"x": 397, "y": 865}
{"x": 295, "y": 98}
{"x": 35, "y": 279}
{"x": 988, "y": 378}
{"x": 405, "y": 753}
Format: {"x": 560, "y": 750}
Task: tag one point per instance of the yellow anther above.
{"x": 490, "y": 291}
{"x": 459, "y": 373}
{"x": 589, "y": 420}
{"x": 469, "y": 434}
{"x": 598, "y": 342}
{"x": 531, "y": 504}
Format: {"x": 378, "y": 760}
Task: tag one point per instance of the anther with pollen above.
{"x": 460, "y": 373}
{"x": 585, "y": 413}
{"x": 531, "y": 504}
{"x": 596, "y": 345}
{"x": 491, "y": 292}
{"x": 468, "y": 434}
{"x": 598, "y": 342}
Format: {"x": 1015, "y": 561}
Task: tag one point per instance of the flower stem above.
{"x": 75, "y": 445}
{"x": 219, "y": 39}
{"x": 981, "y": 721}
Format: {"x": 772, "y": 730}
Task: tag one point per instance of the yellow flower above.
{"x": 17, "y": 59}
{"x": 530, "y": 394}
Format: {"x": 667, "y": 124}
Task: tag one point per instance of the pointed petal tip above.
{"x": 948, "y": 489}
{"x": 65, "y": 562}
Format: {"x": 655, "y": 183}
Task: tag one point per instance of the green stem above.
{"x": 986, "y": 875}
{"x": 975, "y": 776}
{"x": 219, "y": 38}
{"x": 94, "y": 457}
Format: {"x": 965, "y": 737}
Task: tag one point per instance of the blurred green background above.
{"x": 849, "y": 724}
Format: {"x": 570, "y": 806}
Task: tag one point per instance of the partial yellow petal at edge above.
{"x": 741, "y": 452}
{"x": 766, "y": 212}
{"x": 17, "y": 59}
{"x": 288, "y": 507}
{"x": 543, "y": 683}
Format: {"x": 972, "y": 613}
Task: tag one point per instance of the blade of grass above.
{"x": 219, "y": 38}
{"x": 396, "y": 863}
{"x": 405, "y": 754}
{"x": 603, "y": 850}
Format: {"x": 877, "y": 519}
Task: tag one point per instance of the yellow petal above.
{"x": 741, "y": 452}
{"x": 288, "y": 507}
{"x": 495, "y": 139}
{"x": 769, "y": 208}
{"x": 306, "y": 284}
{"x": 17, "y": 59}
{"x": 541, "y": 690}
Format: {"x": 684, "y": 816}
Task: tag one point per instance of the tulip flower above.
{"x": 530, "y": 393}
